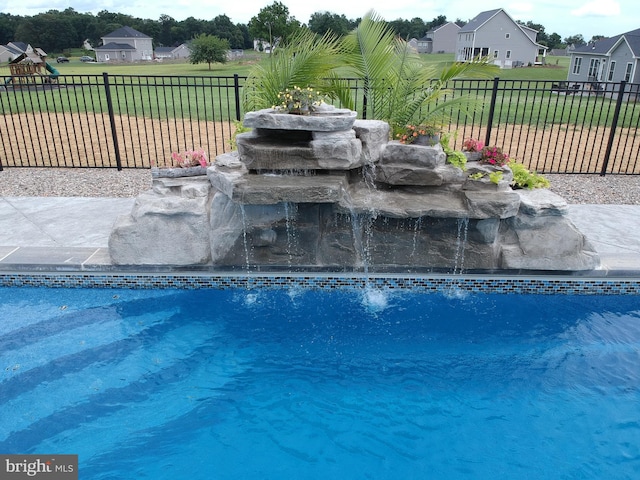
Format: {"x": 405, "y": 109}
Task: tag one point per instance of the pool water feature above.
{"x": 298, "y": 383}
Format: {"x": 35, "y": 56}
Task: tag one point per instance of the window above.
{"x": 612, "y": 68}
{"x": 495, "y": 54}
{"x": 628, "y": 71}
{"x": 576, "y": 66}
{"x": 594, "y": 63}
{"x": 508, "y": 55}
{"x": 507, "y": 35}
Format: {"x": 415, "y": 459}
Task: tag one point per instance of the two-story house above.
{"x": 441, "y": 39}
{"x": 494, "y": 34}
{"x": 125, "y": 45}
{"x": 608, "y": 60}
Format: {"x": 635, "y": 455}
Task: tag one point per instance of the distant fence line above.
{"x": 132, "y": 121}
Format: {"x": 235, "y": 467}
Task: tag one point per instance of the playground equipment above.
{"x": 28, "y": 67}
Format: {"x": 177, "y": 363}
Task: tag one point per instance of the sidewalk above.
{"x": 40, "y": 233}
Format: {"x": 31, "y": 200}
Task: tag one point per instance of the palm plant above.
{"x": 305, "y": 61}
{"x": 400, "y": 89}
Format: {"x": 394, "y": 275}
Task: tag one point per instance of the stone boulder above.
{"x": 326, "y": 118}
{"x": 168, "y": 225}
{"x": 542, "y": 237}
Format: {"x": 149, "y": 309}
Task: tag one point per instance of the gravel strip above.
{"x": 67, "y": 182}
{"x": 594, "y": 189}
{"x": 62, "y": 182}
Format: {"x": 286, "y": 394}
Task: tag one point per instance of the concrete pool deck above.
{"x": 72, "y": 233}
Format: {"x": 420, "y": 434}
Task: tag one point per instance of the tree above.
{"x": 418, "y": 28}
{"x": 209, "y": 49}
{"x": 575, "y": 40}
{"x": 323, "y": 22}
{"x": 223, "y": 27}
{"x": 436, "y": 22}
{"x": 400, "y": 27}
{"x": 273, "y": 24}
{"x": 8, "y": 25}
{"x": 49, "y": 31}
{"x": 246, "y": 37}
{"x": 164, "y": 35}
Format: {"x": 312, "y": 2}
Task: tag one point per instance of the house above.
{"x": 609, "y": 60}
{"x": 235, "y": 54}
{"x": 496, "y": 35}
{"x": 172, "y": 53}
{"x": 441, "y": 39}
{"x": 13, "y": 50}
{"x": 264, "y": 46}
{"x": 125, "y": 45}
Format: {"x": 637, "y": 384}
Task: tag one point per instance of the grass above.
{"x": 166, "y": 67}
{"x": 159, "y": 90}
{"x": 556, "y": 68}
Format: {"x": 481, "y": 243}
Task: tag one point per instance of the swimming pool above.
{"x": 282, "y": 383}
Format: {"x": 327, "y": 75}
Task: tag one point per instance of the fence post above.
{"x": 112, "y": 119}
{"x": 492, "y": 108}
{"x": 614, "y": 125}
{"x": 236, "y": 88}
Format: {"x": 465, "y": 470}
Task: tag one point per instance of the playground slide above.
{"x": 51, "y": 69}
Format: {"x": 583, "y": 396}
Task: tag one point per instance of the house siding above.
{"x": 131, "y": 48}
{"x": 622, "y": 56}
{"x": 445, "y": 38}
{"x": 501, "y": 39}
{"x": 615, "y": 51}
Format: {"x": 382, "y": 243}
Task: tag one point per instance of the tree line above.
{"x": 57, "y": 31}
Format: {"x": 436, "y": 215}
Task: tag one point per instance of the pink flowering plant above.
{"x": 494, "y": 156}
{"x": 472, "y": 145}
{"x": 189, "y": 158}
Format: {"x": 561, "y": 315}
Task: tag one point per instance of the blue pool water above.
{"x": 304, "y": 384}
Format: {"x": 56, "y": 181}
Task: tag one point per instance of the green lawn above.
{"x": 137, "y": 90}
{"x": 172, "y": 67}
{"x": 556, "y": 68}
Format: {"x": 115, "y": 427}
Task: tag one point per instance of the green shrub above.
{"x": 454, "y": 157}
{"x": 524, "y": 178}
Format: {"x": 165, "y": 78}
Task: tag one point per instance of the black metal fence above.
{"x": 131, "y": 121}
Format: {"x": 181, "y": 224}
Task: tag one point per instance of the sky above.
{"x": 566, "y": 18}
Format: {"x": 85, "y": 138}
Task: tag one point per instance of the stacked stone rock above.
{"x": 327, "y": 191}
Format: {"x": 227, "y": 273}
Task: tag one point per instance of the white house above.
{"x": 496, "y": 35}
{"x": 125, "y": 45}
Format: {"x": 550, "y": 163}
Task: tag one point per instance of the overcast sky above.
{"x": 567, "y": 17}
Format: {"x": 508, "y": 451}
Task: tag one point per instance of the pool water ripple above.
{"x": 271, "y": 384}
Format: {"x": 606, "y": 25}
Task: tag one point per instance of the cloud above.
{"x": 597, "y": 9}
